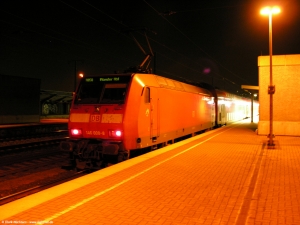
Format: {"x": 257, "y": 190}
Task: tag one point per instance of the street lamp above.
{"x": 269, "y": 11}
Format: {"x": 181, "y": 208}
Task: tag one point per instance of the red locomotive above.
{"x": 114, "y": 116}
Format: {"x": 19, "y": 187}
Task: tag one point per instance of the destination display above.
{"x": 110, "y": 79}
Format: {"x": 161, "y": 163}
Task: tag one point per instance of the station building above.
{"x": 286, "y": 103}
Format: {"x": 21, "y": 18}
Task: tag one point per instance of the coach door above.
{"x": 154, "y": 114}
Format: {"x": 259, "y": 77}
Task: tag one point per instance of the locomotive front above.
{"x": 96, "y": 121}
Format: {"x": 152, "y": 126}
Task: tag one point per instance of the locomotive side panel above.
{"x": 147, "y": 118}
{"x": 135, "y": 121}
{"x": 167, "y": 112}
{"x": 184, "y": 111}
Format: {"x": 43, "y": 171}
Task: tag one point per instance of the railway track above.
{"x": 43, "y": 186}
{"x": 26, "y": 164}
{"x": 31, "y": 161}
{"x": 28, "y": 143}
{"x": 29, "y": 155}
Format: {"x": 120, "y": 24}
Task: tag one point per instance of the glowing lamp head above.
{"x": 76, "y": 132}
{"x": 270, "y": 10}
{"x": 118, "y": 133}
{"x": 115, "y": 133}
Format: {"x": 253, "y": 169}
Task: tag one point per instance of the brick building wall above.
{"x": 286, "y": 100}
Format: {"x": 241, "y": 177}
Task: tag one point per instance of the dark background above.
{"x": 211, "y": 41}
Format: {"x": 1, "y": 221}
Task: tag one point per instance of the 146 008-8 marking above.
{"x": 94, "y": 132}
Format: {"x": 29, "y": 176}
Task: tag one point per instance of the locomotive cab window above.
{"x": 88, "y": 93}
{"x": 113, "y": 93}
{"x": 102, "y": 90}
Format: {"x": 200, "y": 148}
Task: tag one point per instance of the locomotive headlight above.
{"x": 115, "y": 133}
{"x": 118, "y": 133}
{"x": 76, "y": 132}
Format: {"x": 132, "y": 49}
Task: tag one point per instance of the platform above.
{"x": 42, "y": 121}
{"x": 225, "y": 176}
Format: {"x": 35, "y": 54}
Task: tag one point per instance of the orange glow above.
{"x": 270, "y": 10}
{"x": 81, "y": 75}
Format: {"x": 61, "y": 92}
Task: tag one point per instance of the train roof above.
{"x": 178, "y": 84}
{"x": 163, "y": 82}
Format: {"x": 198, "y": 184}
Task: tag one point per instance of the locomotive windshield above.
{"x": 102, "y": 90}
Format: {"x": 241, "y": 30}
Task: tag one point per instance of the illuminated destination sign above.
{"x": 107, "y": 79}
{"x": 89, "y": 79}
{"x": 110, "y": 79}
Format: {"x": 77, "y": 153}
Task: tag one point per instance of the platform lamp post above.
{"x": 269, "y": 11}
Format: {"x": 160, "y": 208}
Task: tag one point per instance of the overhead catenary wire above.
{"x": 218, "y": 77}
{"x": 53, "y": 34}
{"x": 196, "y": 45}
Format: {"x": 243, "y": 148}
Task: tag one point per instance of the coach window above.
{"x": 147, "y": 95}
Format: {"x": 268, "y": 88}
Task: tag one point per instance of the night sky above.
{"x": 201, "y": 41}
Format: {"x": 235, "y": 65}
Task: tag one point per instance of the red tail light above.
{"x": 76, "y": 132}
{"x": 115, "y": 133}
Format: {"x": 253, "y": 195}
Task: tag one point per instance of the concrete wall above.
{"x": 286, "y": 107}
